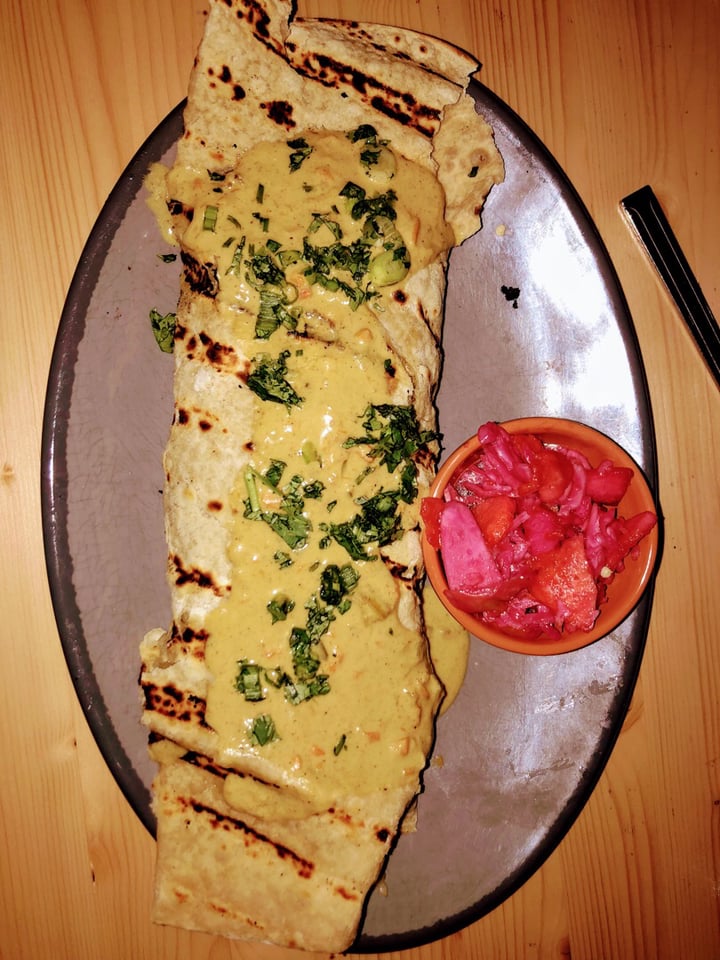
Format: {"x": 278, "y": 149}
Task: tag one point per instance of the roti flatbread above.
{"x": 325, "y": 172}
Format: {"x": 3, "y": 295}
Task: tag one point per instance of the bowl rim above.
{"x": 644, "y": 565}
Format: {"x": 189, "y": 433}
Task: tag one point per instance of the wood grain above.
{"x": 622, "y": 92}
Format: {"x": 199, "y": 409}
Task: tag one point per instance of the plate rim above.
{"x": 53, "y": 475}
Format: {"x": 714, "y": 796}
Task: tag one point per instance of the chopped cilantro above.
{"x": 290, "y": 525}
{"x": 279, "y": 608}
{"x": 263, "y": 269}
{"x": 340, "y": 745}
{"x": 248, "y": 681}
{"x": 267, "y": 379}
{"x": 163, "y": 327}
{"x": 288, "y": 522}
{"x": 377, "y": 523}
{"x": 363, "y": 206}
{"x": 306, "y": 649}
{"x": 313, "y": 489}
{"x": 322, "y": 220}
{"x": 301, "y": 150}
{"x": 326, "y": 266}
{"x": 262, "y": 730}
{"x": 273, "y": 474}
{"x": 274, "y": 313}
{"x": 265, "y": 272}
{"x": 299, "y": 690}
{"x": 305, "y": 663}
{"x": 337, "y": 582}
{"x": 365, "y": 131}
{"x": 369, "y": 156}
{"x": 318, "y": 620}
{"x": 392, "y": 434}
{"x": 295, "y": 690}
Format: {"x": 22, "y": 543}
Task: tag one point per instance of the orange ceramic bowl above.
{"x": 626, "y": 589}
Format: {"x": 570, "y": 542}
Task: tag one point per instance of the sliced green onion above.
{"x": 210, "y": 218}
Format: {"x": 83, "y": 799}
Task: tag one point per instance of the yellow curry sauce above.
{"x": 320, "y": 685}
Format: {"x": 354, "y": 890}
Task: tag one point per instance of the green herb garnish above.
{"x": 279, "y": 608}
{"x": 374, "y": 151}
{"x": 321, "y": 220}
{"x": 337, "y": 582}
{"x": 266, "y": 274}
{"x": 377, "y": 524}
{"x": 236, "y": 262}
{"x": 263, "y": 730}
{"x": 301, "y": 150}
{"x": 296, "y": 691}
{"x": 248, "y": 682}
{"x": 326, "y": 266}
{"x": 263, "y": 221}
{"x": 274, "y": 313}
{"x": 361, "y": 205}
{"x": 392, "y": 434}
{"x": 288, "y": 522}
{"x": 313, "y": 489}
{"x": 163, "y": 328}
{"x": 267, "y": 380}
{"x": 273, "y": 474}
{"x": 210, "y": 218}
{"x": 365, "y": 131}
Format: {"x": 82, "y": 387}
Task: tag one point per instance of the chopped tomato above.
{"x": 564, "y": 581}
{"x": 552, "y": 471}
{"x": 430, "y": 510}
{"x": 494, "y": 597}
{"x": 607, "y": 483}
{"x": 494, "y": 516}
{"x": 625, "y": 535}
{"x": 555, "y": 473}
{"x": 542, "y": 527}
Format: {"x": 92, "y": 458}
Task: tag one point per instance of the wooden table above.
{"x": 622, "y": 93}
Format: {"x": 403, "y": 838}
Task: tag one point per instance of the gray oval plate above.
{"x": 528, "y": 736}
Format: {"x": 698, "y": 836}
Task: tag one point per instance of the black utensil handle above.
{"x": 651, "y": 224}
